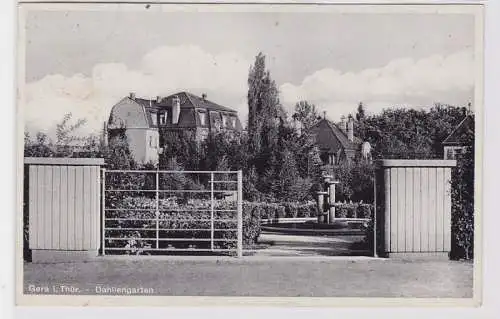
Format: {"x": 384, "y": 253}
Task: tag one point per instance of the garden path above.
{"x": 271, "y": 244}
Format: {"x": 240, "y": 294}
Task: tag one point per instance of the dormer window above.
{"x": 154, "y": 119}
{"x": 202, "y": 117}
{"x": 163, "y": 118}
{"x": 233, "y": 122}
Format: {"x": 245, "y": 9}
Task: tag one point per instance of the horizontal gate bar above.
{"x": 174, "y": 249}
{"x": 179, "y": 220}
{"x": 170, "y": 191}
{"x": 169, "y": 172}
{"x": 169, "y": 239}
{"x": 169, "y": 210}
{"x": 172, "y": 229}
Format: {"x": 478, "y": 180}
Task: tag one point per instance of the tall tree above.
{"x": 263, "y": 106}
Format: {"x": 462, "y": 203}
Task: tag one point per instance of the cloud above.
{"x": 162, "y": 71}
{"x": 223, "y": 76}
{"x": 402, "y": 82}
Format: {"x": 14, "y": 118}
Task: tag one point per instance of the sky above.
{"x": 85, "y": 61}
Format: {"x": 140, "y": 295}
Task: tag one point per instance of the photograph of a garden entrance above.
{"x": 164, "y": 177}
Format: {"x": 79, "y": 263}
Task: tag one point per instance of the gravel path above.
{"x": 251, "y": 276}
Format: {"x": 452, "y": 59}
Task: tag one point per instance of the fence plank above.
{"x": 86, "y": 211}
{"x": 47, "y": 211}
{"x": 424, "y": 223}
{"x": 394, "y": 210}
{"x": 432, "y": 208}
{"x": 447, "y": 210}
{"x": 401, "y": 209}
{"x": 56, "y": 213}
{"x": 409, "y": 209}
{"x": 71, "y": 207}
{"x": 63, "y": 240}
{"x": 33, "y": 206}
{"x": 40, "y": 206}
{"x": 79, "y": 222}
{"x": 417, "y": 212}
{"x": 387, "y": 208}
{"x": 439, "y": 208}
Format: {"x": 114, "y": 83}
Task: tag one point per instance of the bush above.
{"x": 177, "y": 221}
{"x": 341, "y": 210}
{"x": 291, "y": 210}
{"x": 365, "y": 211}
{"x": 353, "y": 210}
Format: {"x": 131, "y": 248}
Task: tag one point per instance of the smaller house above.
{"x": 336, "y": 142}
{"x": 455, "y": 143}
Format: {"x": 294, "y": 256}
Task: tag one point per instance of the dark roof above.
{"x": 457, "y": 136}
{"x": 199, "y": 102}
{"x": 188, "y": 116}
{"x": 325, "y": 130}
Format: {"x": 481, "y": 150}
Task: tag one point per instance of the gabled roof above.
{"x": 339, "y": 135}
{"x": 457, "y": 136}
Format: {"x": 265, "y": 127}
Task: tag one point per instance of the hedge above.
{"x": 287, "y": 210}
{"x": 181, "y": 222}
{"x": 353, "y": 210}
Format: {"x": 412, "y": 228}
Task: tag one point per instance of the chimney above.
{"x": 343, "y": 124}
{"x": 158, "y": 99}
{"x": 204, "y": 96}
{"x": 350, "y": 128}
{"x": 132, "y": 95}
{"x": 176, "y": 109}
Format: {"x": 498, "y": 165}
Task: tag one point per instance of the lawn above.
{"x": 280, "y": 277}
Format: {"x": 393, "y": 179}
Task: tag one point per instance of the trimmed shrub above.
{"x": 365, "y": 211}
{"x": 351, "y": 210}
{"x": 341, "y": 210}
{"x": 291, "y": 210}
{"x": 179, "y": 225}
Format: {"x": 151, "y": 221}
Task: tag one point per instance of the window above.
{"x": 224, "y": 121}
{"x": 233, "y": 122}
{"x": 154, "y": 119}
{"x": 150, "y": 141}
{"x": 449, "y": 153}
{"x": 163, "y": 118}
{"x": 202, "y": 117}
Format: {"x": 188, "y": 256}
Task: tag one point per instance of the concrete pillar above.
{"x": 321, "y": 204}
{"x": 331, "y": 198}
{"x": 330, "y": 185}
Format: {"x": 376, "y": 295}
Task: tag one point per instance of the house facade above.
{"x": 336, "y": 142}
{"x": 144, "y": 119}
{"x": 454, "y": 145}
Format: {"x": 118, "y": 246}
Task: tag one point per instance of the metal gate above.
{"x": 172, "y": 212}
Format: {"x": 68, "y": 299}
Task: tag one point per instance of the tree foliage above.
{"x": 462, "y": 193}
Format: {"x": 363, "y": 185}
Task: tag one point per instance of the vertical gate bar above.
{"x": 240, "y": 214}
{"x": 103, "y": 203}
{"x": 212, "y": 211}
{"x": 157, "y": 210}
{"x": 374, "y": 217}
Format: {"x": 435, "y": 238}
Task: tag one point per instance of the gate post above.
{"x": 157, "y": 213}
{"x": 103, "y": 212}
{"x": 240, "y": 214}
{"x": 212, "y": 210}
{"x": 64, "y": 209}
{"x": 416, "y": 207}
